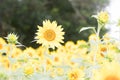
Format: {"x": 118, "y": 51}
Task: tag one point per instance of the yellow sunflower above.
{"x": 50, "y": 35}
{"x": 76, "y": 74}
{"x": 2, "y": 43}
{"x": 103, "y": 17}
{"x": 108, "y": 71}
{"x": 28, "y": 70}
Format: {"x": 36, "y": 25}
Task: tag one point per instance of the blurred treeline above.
{"x": 23, "y": 16}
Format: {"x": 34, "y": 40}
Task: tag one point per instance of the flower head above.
{"x": 12, "y": 38}
{"x": 1, "y": 46}
{"x": 28, "y": 70}
{"x": 50, "y": 35}
{"x": 76, "y": 74}
{"x": 108, "y": 71}
{"x": 103, "y": 17}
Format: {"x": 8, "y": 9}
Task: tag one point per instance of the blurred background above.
{"x": 23, "y": 16}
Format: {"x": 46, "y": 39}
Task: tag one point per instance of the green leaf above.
{"x": 94, "y": 16}
{"x": 83, "y": 46}
{"x": 3, "y": 76}
{"x": 86, "y": 28}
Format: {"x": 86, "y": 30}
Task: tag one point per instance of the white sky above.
{"x": 114, "y": 10}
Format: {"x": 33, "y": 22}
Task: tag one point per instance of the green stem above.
{"x": 119, "y": 34}
{"x": 97, "y": 42}
{"x": 45, "y": 57}
{"x": 98, "y": 30}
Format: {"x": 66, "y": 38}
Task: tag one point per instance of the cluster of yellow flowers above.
{"x": 96, "y": 59}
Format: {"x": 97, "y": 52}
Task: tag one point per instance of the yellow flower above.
{"x": 60, "y": 71}
{"x": 16, "y": 52}
{"x": 1, "y": 46}
{"x": 40, "y": 52}
{"x": 5, "y": 62}
{"x": 12, "y": 38}
{"x": 76, "y": 74}
{"x": 61, "y": 49}
{"x": 50, "y": 35}
{"x": 108, "y": 71}
{"x": 107, "y": 38}
{"x": 2, "y": 42}
{"x": 93, "y": 37}
{"x": 70, "y": 47}
{"x": 28, "y": 70}
{"x": 103, "y": 50}
{"x": 57, "y": 59}
{"x": 52, "y": 74}
{"x": 30, "y": 51}
{"x": 81, "y": 42}
{"x": 103, "y": 17}
{"x": 15, "y": 66}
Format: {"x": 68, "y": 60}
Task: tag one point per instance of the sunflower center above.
{"x": 56, "y": 59}
{"x": 1, "y": 46}
{"x": 49, "y": 35}
{"x": 112, "y": 78}
{"x": 74, "y": 76}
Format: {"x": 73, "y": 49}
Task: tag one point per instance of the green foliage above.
{"x": 3, "y": 76}
{"x": 22, "y": 16}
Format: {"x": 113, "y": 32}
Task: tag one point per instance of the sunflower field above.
{"x": 95, "y": 59}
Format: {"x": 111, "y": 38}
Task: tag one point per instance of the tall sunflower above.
{"x": 108, "y": 71}
{"x": 50, "y": 35}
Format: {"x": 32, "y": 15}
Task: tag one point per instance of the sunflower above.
{"x": 12, "y": 38}
{"x": 50, "y": 35}
{"x": 1, "y": 46}
{"x": 28, "y": 70}
{"x": 2, "y": 43}
{"x": 103, "y": 17}
{"x": 76, "y": 74}
{"x": 108, "y": 71}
